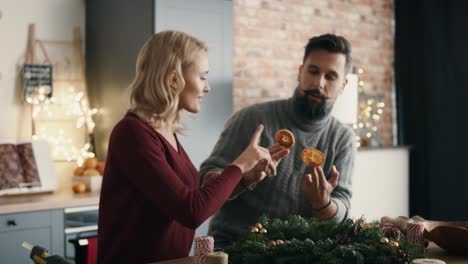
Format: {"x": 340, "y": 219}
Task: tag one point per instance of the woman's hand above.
{"x": 253, "y": 154}
{"x": 262, "y": 169}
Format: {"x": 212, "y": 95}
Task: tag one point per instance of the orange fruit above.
{"x": 91, "y": 172}
{"x": 285, "y": 138}
{"x": 79, "y": 171}
{"x": 312, "y": 157}
{"x": 90, "y": 163}
{"x": 79, "y": 187}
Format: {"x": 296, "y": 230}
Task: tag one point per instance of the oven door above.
{"x": 81, "y": 223}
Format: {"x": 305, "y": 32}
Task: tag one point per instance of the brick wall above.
{"x": 269, "y": 40}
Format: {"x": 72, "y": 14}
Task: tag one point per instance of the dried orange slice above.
{"x": 312, "y": 157}
{"x": 285, "y": 138}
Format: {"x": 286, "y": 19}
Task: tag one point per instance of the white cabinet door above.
{"x": 41, "y": 228}
{"x": 381, "y": 183}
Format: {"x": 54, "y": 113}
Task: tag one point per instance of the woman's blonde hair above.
{"x": 152, "y": 96}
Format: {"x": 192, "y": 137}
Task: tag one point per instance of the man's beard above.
{"x": 312, "y": 110}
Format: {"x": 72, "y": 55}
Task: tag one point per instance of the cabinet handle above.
{"x": 11, "y": 222}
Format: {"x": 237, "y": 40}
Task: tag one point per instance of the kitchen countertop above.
{"x": 62, "y": 198}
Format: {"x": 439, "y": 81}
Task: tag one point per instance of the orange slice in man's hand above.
{"x": 285, "y": 138}
{"x": 312, "y": 157}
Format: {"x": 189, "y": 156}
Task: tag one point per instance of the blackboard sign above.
{"x": 37, "y": 82}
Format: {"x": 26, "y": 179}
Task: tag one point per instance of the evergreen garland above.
{"x": 300, "y": 240}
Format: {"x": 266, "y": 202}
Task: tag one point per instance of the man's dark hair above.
{"x": 330, "y": 43}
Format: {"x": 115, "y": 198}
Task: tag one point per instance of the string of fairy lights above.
{"x": 69, "y": 106}
{"x": 369, "y": 115}
{"x": 73, "y": 105}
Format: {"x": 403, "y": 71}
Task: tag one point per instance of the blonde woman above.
{"x": 151, "y": 199}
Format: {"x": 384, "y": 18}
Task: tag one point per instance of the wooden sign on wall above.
{"x": 37, "y": 82}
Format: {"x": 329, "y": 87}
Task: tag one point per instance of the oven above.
{"x": 80, "y": 225}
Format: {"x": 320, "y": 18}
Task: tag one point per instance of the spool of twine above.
{"x": 216, "y": 258}
{"x": 415, "y": 233}
{"x": 203, "y": 246}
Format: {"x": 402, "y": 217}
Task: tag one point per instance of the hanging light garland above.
{"x": 68, "y": 106}
{"x": 369, "y": 116}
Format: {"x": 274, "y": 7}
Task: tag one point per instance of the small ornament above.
{"x": 271, "y": 243}
{"x": 254, "y": 230}
{"x": 384, "y": 240}
{"x": 263, "y": 231}
{"x": 287, "y": 241}
{"x": 279, "y": 242}
{"x": 259, "y": 226}
{"x": 393, "y": 243}
{"x": 366, "y": 225}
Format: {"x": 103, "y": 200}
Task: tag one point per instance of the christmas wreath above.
{"x": 300, "y": 240}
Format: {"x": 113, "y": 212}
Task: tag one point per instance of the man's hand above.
{"x": 317, "y": 190}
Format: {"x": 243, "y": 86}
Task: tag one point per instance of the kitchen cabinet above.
{"x": 43, "y": 228}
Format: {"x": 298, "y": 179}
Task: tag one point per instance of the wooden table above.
{"x": 187, "y": 260}
{"x": 433, "y": 251}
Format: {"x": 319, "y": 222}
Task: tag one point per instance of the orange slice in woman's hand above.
{"x": 285, "y": 138}
{"x": 312, "y": 157}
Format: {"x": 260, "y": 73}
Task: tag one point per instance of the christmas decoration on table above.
{"x": 452, "y": 236}
{"x": 308, "y": 240}
{"x": 369, "y": 116}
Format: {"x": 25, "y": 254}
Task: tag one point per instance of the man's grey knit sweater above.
{"x": 280, "y": 196}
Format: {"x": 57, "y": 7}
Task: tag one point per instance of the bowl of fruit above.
{"x": 88, "y": 177}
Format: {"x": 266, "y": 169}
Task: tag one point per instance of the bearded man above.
{"x": 323, "y": 191}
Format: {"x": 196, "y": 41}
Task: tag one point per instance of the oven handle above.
{"x": 81, "y": 209}
{"x": 75, "y": 230}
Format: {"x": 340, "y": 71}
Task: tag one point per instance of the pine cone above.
{"x": 343, "y": 240}
{"x": 401, "y": 257}
{"x": 392, "y": 233}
